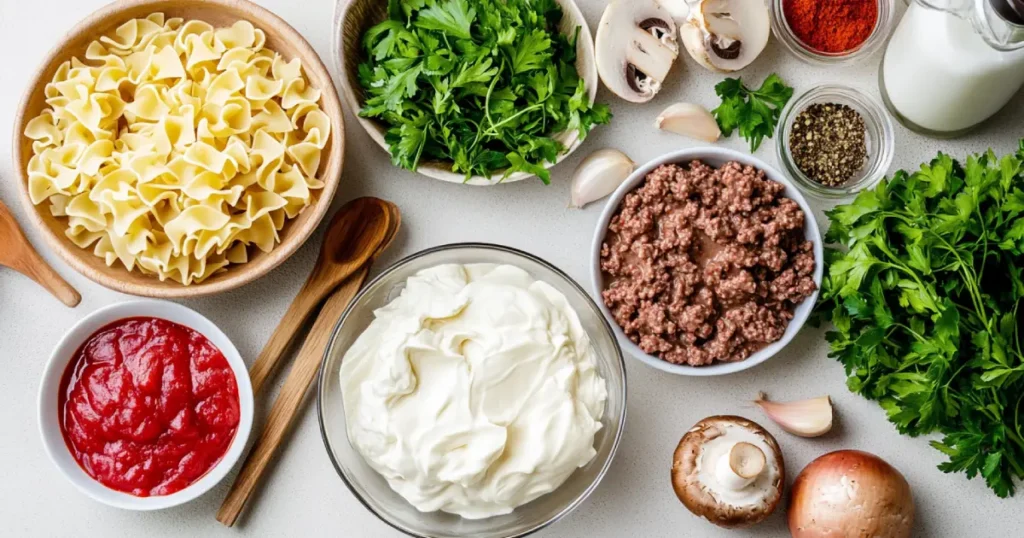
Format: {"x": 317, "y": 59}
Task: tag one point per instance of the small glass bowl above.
{"x": 373, "y": 491}
{"x": 878, "y": 37}
{"x": 880, "y": 140}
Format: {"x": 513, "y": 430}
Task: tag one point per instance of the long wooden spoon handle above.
{"x": 298, "y": 312}
{"x": 35, "y": 267}
{"x": 289, "y": 401}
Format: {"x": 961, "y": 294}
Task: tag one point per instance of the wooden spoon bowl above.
{"x": 19, "y": 255}
{"x": 281, "y": 38}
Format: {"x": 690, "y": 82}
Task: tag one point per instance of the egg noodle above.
{"x": 174, "y": 146}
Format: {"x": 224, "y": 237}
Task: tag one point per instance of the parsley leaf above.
{"x": 924, "y": 299}
{"x": 452, "y": 17}
{"x": 482, "y": 84}
{"x": 754, "y": 112}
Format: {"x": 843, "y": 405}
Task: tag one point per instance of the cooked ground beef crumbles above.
{"x": 703, "y": 265}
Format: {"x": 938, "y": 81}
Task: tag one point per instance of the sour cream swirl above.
{"x": 475, "y": 391}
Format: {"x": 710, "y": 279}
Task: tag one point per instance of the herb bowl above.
{"x": 879, "y": 35}
{"x": 880, "y": 138}
{"x": 352, "y": 18}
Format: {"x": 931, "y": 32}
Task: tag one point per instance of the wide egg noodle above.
{"x": 174, "y": 146}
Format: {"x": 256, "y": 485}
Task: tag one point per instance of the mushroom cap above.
{"x": 744, "y": 21}
{"x": 692, "y": 492}
{"x": 851, "y": 493}
{"x": 635, "y": 36}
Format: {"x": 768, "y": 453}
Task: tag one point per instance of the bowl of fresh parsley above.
{"x": 470, "y": 91}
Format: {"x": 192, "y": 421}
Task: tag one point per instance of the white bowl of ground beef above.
{"x": 706, "y": 261}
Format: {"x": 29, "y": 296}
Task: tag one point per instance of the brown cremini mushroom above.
{"x": 729, "y": 470}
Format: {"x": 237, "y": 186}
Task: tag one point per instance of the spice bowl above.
{"x": 879, "y": 139}
{"x": 788, "y": 37}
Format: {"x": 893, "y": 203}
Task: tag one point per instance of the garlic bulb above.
{"x": 690, "y": 120}
{"x": 805, "y": 418}
{"x": 599, "y": 175}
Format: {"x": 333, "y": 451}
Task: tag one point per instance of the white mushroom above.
{"x": 729, "y": 470}
{"x": 678, "y": 9}
{"x": 636, "y": 46}
{"x": 726, "y": 35}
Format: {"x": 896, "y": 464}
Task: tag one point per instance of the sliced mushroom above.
{"x": 679, "y": 10}
{"x": 636, "y": 46}
{"x": 726, "y": 35}
{"x": 729, "y": 470}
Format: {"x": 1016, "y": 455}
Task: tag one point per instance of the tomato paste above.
{"x": 148, "y": 406}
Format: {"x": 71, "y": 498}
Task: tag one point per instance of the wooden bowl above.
{"x": 220, "y": 13}
{"x": 352, "y": 18}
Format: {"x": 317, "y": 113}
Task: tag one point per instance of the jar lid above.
{"x": 1010, "y": 10}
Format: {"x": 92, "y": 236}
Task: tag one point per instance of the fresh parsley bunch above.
{"x": 754, "y": 112}
{"x": 483, "y": 84}
{"x": 924, "y": 301}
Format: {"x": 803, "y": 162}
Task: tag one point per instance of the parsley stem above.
{"x": 512, "y": 117}
{"x": 970, "y": 277}
{"x": 487, "y": 98}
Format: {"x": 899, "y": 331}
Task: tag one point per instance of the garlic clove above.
{"x": 599, "y": 175}
{"x": 805, "y": 418}
{"x": 690, "y": 120}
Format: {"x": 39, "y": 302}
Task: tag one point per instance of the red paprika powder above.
{"x": 832, "y": 26}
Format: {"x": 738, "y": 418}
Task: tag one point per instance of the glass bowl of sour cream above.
{"x": 483, "y": 382}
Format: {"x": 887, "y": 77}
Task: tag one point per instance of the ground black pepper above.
{"x": 829, "y": 143}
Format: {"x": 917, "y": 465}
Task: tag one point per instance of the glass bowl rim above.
{"x": 877, "y": 166}
{"x": 322, "y": 377}
{"x": 794, "y": 45}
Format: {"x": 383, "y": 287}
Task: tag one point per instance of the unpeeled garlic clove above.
{"x": 805, "y": 418}
{"x": 690, "y": 120}
{"x": 599, "y": 175}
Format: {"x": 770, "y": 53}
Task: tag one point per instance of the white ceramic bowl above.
{"x": 715, "y": 157}
{"x": 49, "y": 426}
{"x": 352, "y": 18}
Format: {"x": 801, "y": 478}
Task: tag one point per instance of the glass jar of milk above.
{"x": 951, "y": 64}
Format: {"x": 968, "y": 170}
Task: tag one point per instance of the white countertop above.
{"x": 302, "y": 495}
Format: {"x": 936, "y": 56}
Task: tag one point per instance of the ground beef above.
{"x": 703, "y": 265}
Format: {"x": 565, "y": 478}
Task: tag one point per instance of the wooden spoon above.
{"x": 18, "y": 254}
{"x": 355, "y": 233}
{"x": 296, "y": 385}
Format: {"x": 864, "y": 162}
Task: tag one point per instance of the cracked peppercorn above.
{"x": 828, "y": 143}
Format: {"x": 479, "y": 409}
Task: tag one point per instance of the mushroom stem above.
{"x": 650, "y": 56}
{"x": 740, "y": 466}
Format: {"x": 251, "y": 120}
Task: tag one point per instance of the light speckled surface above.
{"x": 302, "y": 495}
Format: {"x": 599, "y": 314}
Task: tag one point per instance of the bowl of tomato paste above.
{"x": 145, "y": 405}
